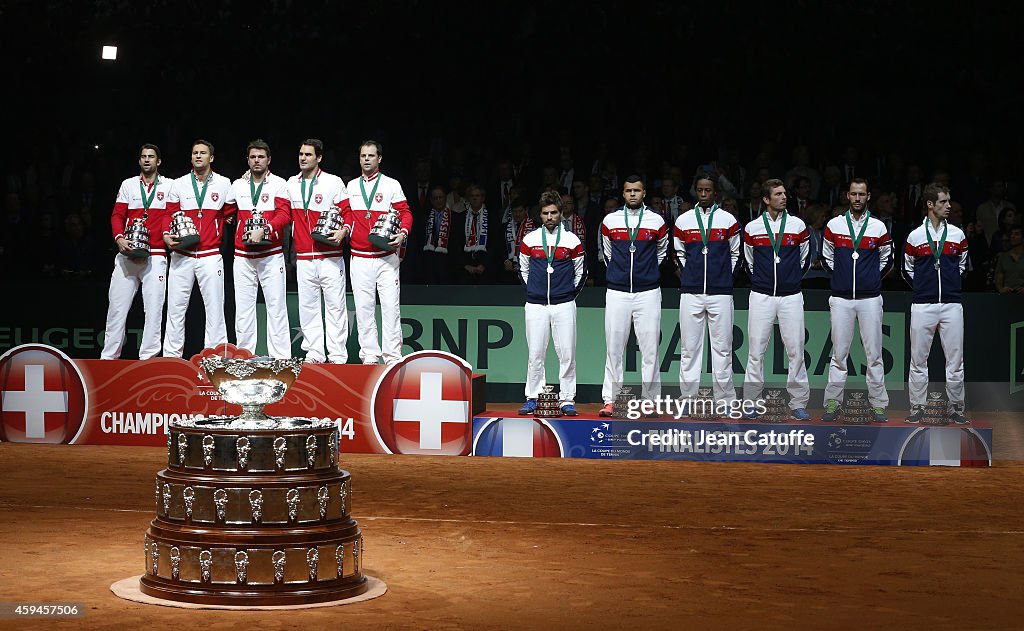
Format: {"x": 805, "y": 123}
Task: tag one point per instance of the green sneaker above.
{"x": 832, "y": 411}
{"x": 878, "y": 415}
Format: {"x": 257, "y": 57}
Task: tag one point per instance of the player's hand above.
{"x": 398, "y": 239}
{"x": 171, "y": 241}
{"x": 509, "y": 265}
{"x": 123, "y": 246}
{"x": 255, "y": 235}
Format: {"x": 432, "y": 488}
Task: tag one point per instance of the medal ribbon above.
{"x": 632, "y": 233}
{"x": 254, "y": 192}
{"x": 936, "y": 250}
{"x": 706, "y": 234}
{"x": 148, "y": 201}
{"x": 775, "y": 241}
{"x": 305, "y": 200}
{"x": 863, "y": 228}
{"x": 200, "y": 196}
{"x": 368, "y": 199}
{"x": 544, "y": 239}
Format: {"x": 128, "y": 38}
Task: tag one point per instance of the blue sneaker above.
{"x": 530, "y": 407}
{"x": 569, "y": 410}
{"x": 750, "y": 416}
{"x": 800, "y": 414}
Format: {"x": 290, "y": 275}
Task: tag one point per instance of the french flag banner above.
{"x": 516, "y": 437}
{"x": 945, "y": 446}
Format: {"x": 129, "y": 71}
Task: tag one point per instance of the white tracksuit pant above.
{"x": 266, "y": 272}
{"x": 867, "y": 314}
{"x": 184, "y": 272}
{"x": 763, "y": 311}
{"x": 326, "y": 277}
{"x": 557, "y": 322}
{"x": 642, "y": 310}
{"x": 128, "y": 275}
{"x": 716, "y": 311}
{"x": 948, "y": 318}
{"x": 372, "y": 277}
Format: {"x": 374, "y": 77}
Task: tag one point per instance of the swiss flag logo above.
{"x": 160, "y": 195}
{"x": 215, "y": 196}
{"x": 44, "y": 396}
{"x": 378, "y": 198}
{"x": 318, "y": 198}
{"x": 265, "y": 197}
{"x": 422, "y": 405}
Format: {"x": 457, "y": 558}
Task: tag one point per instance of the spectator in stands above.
{"x": 753, "y": 206}
{"x": 988, "y": 212}
{"x": 817, "y": 277}
{"x": 979, "y": 258}
{"x": 1010, "y": 264}
{"x": 77, "y": 252}
{"x": 1007, "y": 220}
{"x": 832, "y": 193}
{"x": 802, "y": 169}
{"x": 801, "y": 196}
{"x": 481, "y": 229}
{"x": 438, "y": 227}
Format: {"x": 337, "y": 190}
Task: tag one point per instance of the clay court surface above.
{"x": 503, "y": 543}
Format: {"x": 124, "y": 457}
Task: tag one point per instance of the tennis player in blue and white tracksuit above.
{"x": 634, "y": 242}
{"x": 858, "y": 251}
{"x": 776, "y": 247}
{"x": 552, "y": 270}
{"x": 934, "y": 261}
{"x": 707, "y": 245}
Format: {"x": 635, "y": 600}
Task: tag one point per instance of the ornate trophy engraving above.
{"x": 280, "y": 447}
{"x": 384, "y": 230}
{"x": 167, "y": 499}
{"x": 189, "y": 495}
{"x": 170, "y": 448}
{"x": 175, "y": 562}
{"x": 356, "y": 549}
{"x": 252, "y": 383}
{"x": 547, "y": 403}
{"x": 241, "y": 565}
{"x": 322, "y": 498}
{"x": 702, "y": 406}
{"x": 256, "y": 222}
{"x": 220, "y": 500}
{"x": 343, "y": 494}
{"x": 182, "y": 448}
{"x": 183, "y": 229}
{"x": 310, "y": 451}
{"x": 334, "y": 448}
{"x": 137, "y": 236}
{"x": 292, "y": 499}
{"x": 256, "y": 502}
{"x": 621, "y": 404}
{"x": 856, "y": 409}
{"x": 328, "y": 223}
{"x": 145, "y": 554}
{"x": 154, "y": 554}
{"x": 339, "y": 558}
{"x": 278, "y": 559}
{"x": 312, "y": 559}
{"x": 243, "y": 447}
{"x": 159, "y": 488}
{"x": 936, "y": 409}
{"x": 205, "y": 565}
{"x": 776, "y": 405}
{"x": 207, "y": 450}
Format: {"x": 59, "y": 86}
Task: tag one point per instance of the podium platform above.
{"x": 505, "y": 433}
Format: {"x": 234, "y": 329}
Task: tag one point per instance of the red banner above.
{"x": 420, "y": 405}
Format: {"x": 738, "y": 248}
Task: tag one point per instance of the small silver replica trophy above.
{"x": 856, "y": 409}
{"x": 702, "y": 406}
{"x": 138, "y": 237}
{"x": 936, "y": 409}
{"x": 183, "y": 229}
{"x": 547, "y": 403}
{"x": 621, "y": 405}
{"x": 328, "y": 223}
{"x": 256, "y": 222}
{"x": 385, "y": 229}
{"x": 777, "y": 409}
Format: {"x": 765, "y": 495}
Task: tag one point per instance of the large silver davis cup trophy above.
{"x": 387, "y": 226}
{"x": 252, "y": 383}
{"x": 183, "y": 229}
{"x": 256, "y": 222}
{"x": 138, "y": 237}
{"x": 328, "y": 223}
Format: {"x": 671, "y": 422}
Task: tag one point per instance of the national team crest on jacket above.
{"x": 214, "y": 196}
{"x": 160, "y": 195}
{"x": 378, "y": 198}
{"x": 318, "y": 198}
{"x": 265, "y": 197}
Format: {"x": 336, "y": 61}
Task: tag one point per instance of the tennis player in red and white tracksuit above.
{"x": 319, "y": 267}
{"x": 256, "y": 265}
{"x": 205, "y": 197}
{"x": 142, "y": 197}
{"x": 634, "y": 242}
{"x": 707, "y": 245}
{"x": 776, "y": 247}
{"x": 858, "y": 262}
{"x": 552, "y": 270}
{"x": 936, "y": 281}
{"x": 374, "y": 270}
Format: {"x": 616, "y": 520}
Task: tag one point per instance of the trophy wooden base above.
{"x": 185, "y": 243}
{"x": 382, "y": 242}
{"x": 138, "y": 253}
{"x": 322, "y": 238}
{"x": 253, "y": 516}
